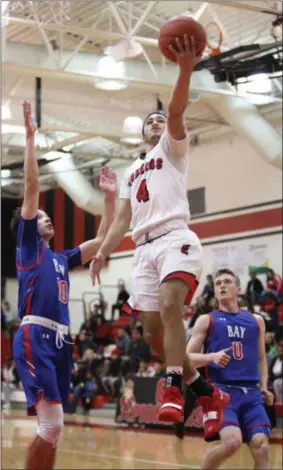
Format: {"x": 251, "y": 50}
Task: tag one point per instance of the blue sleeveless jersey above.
{"x": 43, "y": 275}
{"x": 240, "y": 331}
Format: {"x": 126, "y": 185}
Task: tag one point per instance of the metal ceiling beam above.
{"x": 145, "y": 14}
{"x": 114, "y": 10}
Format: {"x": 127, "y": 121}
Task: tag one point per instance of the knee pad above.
{"x": 50, "y": 421}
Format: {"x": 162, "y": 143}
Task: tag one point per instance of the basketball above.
{"x": 178, "y": 27}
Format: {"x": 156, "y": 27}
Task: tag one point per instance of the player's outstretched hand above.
{"x": 221, "y": 358}
{"x": 185, "y": 51}
{"x": 267, "y": 396}
{"x": 95, "y": 267}
{"x": 29, "y": 123}
{"x": 108, "y": 181}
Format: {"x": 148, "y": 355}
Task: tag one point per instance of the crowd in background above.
{"x": 107, "y": 352}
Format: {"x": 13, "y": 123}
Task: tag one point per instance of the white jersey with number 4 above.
{"x": 157, "y": 187}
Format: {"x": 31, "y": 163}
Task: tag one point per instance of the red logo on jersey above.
{"x": 185, "y": 249}
{"x": 151, "y": 165}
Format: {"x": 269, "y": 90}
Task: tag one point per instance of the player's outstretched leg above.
{"x": 231, "y": 440}
{"x": 42, "y": 451}
{"x": 172, "y": 296}
{"x": 259, "y": 450}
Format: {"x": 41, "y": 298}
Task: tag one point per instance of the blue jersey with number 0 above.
{"x": 240, "y": 331}
{"x": 43, "y": 275}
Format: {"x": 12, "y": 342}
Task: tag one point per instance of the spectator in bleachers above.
{"x": 10, "y": 315}
{"x": 208, "y": 290}
{"x": 274, "y": 283}
{"x": 275, "y": 373}
{"x": 122, "y": 297}
{"x": 145, "y": 370}
{"x": 90, "y": 324}
{"x": 158, "y": 369}
{"x": 139, "y": 350}
{"x": 254, "y": 290}
{"x": 9, "y": 380}
{"x": 84, "y": 342}
{"x": 109, "y": 374}
{"x": 270, "y": 347}
{"x": 123, "y": 342}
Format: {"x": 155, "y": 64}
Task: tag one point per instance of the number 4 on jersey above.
{"x": 142, "y": 193}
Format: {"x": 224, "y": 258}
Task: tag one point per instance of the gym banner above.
{"x": 139, "y": 402}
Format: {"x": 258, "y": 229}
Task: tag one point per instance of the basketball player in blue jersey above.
{"x": 237, "y": 364}
{"x": 42, "y": 350}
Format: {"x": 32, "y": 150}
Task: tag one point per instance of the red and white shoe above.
{"x": 213, "y": 409}
{"x": 172, "y": 408}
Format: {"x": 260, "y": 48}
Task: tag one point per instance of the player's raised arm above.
{"x": 196, "y": 343}
{"x": 31, "y": 173}
{"x": 186, "y": 59}
{"x": 108, "y": 184}
{"x": 263, "y": 369}
{"x": 119, "y": 227}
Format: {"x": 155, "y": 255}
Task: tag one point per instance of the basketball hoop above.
{"x": 214, "y": 38}
{"x": 43, "y": 11}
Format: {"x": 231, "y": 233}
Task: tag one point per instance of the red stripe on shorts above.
{"x": 188, "y": 279}
{"x": 27, "y": 349}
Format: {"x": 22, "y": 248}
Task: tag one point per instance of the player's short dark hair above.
{"x": 230, "y": 272}
{"x": 14, "y": 224}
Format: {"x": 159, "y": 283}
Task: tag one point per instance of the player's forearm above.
{"x": 200, "y": 360}
{"x": 180, "y": 94}
{"x": 31, "y": 172}
{"x": 263, "y": 373}
{"x": 108, "y": 216}
{"x": 114, "y": 236}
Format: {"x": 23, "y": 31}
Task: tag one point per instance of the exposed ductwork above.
{"x": 77, "y": 186}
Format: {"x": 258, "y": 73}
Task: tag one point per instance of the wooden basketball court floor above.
{"x": 97, "y": 443}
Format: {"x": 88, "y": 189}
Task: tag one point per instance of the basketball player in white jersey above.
{"x": 168, "y": 258}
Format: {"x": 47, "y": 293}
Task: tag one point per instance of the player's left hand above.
{"x": 185, "y": 51}
{"x": 95, "y": 267}
{"x": 108, "y": 181}
{"x": 267, "y": 396}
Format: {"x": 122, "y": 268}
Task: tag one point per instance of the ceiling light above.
{"x": 6, "y": 112}
{"x": 112, "y": 73}
{"x": 132, "y": 128}
{"x": 5, "y": 173}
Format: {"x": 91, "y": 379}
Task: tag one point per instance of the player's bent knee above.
{"x": 50, "y": 432}
{"x": 231, "y": 446}
{"x": 259, "y": 446}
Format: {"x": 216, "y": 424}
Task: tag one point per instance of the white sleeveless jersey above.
{"x": 157, "y": 187}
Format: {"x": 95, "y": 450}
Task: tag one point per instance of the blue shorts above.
{"x": 44, "y": 370}
{"x": 246, "y": 410}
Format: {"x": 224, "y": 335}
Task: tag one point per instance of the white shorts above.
{"x": 177, "y": 255}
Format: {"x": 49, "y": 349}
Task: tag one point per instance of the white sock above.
{"x": 174, "y": 370}
{"x": 193, "y": 379}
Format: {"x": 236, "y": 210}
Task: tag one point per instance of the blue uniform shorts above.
{"x": 44, "y": 370}
{"x": 246, "y": 410}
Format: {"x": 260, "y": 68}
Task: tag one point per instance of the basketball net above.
{"x": 214, "y": 39}
{"x": 44, "y": 11}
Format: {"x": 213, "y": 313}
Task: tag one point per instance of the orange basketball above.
{"x": 178, "y": 27}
